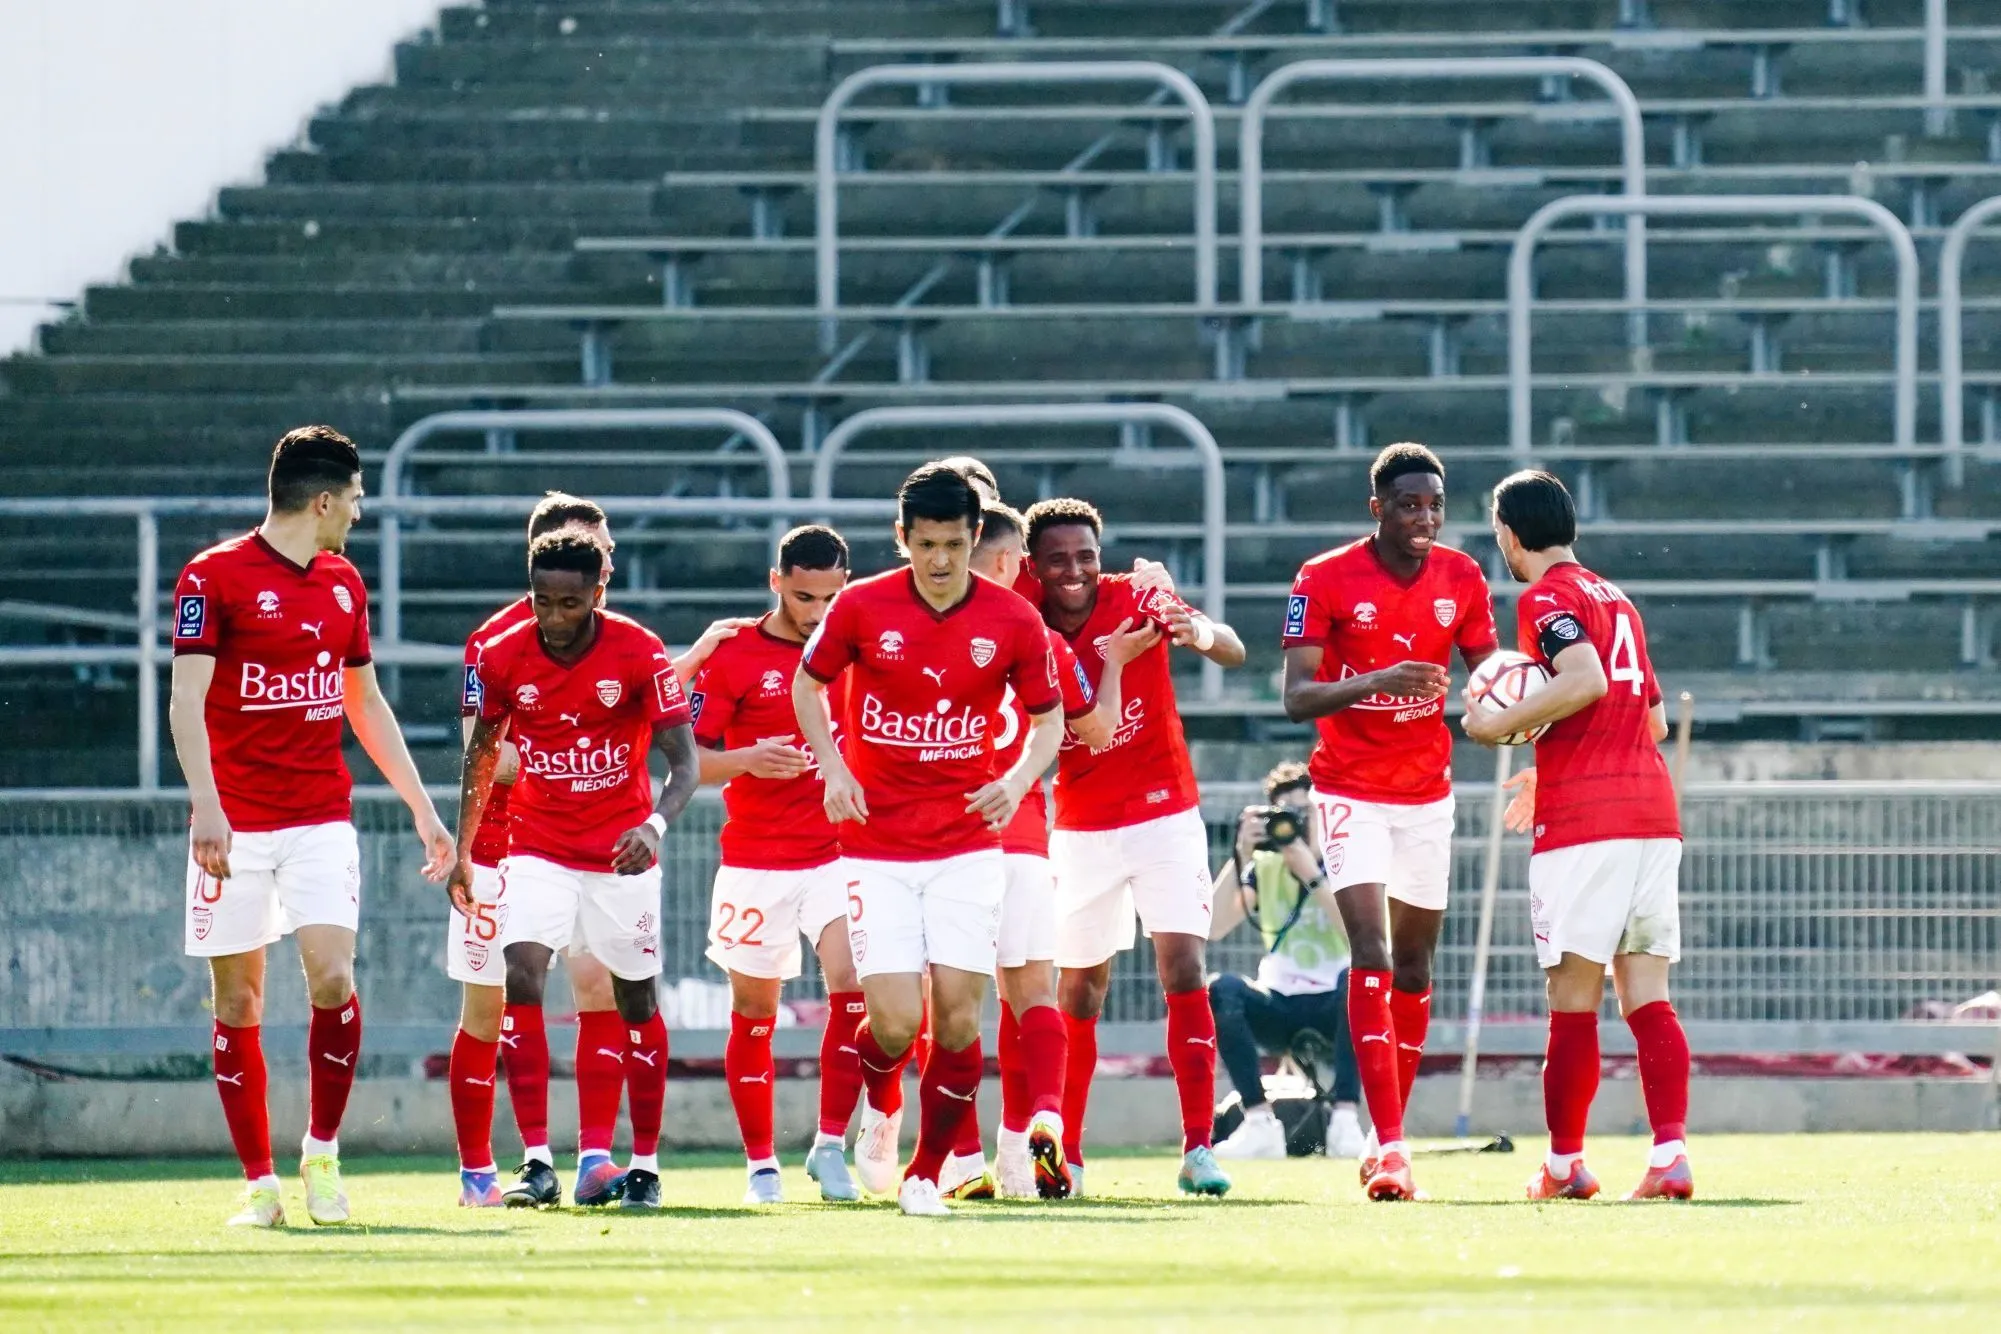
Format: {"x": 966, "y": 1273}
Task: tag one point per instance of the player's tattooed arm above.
{"x": 639, "y": 847}
{"x": 1577, "y": 683}
{"x": 1306, "y": 698}
{"x": 509, "y": 767}
{"x": 997, "y": 802}
{"x": 187, "y": 717}
{"x": 375, "y": 727}
{"x": 843, "y": 797}
{"x": 476, "y": 770}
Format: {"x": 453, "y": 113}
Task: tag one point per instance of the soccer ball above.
{"x": 1506, "y": 679}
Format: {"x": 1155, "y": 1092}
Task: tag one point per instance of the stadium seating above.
{"x": 611, "y": 204}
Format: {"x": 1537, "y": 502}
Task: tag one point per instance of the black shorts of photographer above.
{"x": 1298, "y": 1002}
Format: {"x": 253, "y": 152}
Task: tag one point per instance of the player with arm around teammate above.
{"x": 585, "y": 693}
{"x": 271, "y": 652}
{"x": 1607, "y": 850}
{"x": 1369, "y": 633}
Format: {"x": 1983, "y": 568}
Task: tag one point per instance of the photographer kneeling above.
{"x": 1276, "y": 879}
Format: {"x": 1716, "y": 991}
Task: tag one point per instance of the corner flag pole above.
{"x": 1490, "y": 888}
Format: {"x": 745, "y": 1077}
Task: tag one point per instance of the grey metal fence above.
{"x": 1802, "y": 904}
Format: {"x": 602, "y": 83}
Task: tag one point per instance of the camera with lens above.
{"x": 1282, "y": 825}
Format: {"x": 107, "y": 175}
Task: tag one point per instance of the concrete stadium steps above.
{"x": 266, "y": 337}
{"x": 386, "y": 234}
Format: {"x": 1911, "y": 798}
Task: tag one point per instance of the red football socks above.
{"x": 882, "y": 1073}
{"x": 1043, "y": 1046}
{"x": 1372, "y": 1027}
{"x": 470, "y": 1076}
{"x": 1570, "y": 1078}
{"x": 1410, "y": 1015}
{"x": 1080, "y": 1063}
{"x": 524, "y": 1042}
{"x": 646, "y": 1082}
{"x": 1015, "y": 1109}
{"x": 750, "y": 1070}
{"x": 1191, "y": 1053}
{"x": 840, "y": 1062}
{"x": 240, "y": 1079}
{"x": 600, "y": 1078}
{"x": 1663, "y": 1053}
{"x": 333, "y": 1048}
{"x": 950, "y": 1082}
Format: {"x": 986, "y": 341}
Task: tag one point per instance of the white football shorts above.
{"x": 1407, "y": 849}
{"x": 757, "y": 917}
{"x": 279, "y": 881}
{"x": 903, "y": 916}
{"x": 615, "y": 917}
{"x": 1157, "y": 871}
{"x": 1028, "y": 911}
{"x": 472, "y": 944}
{"x": 1597, "y": 900}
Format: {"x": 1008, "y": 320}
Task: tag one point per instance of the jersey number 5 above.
{"x": 1626, "y": 655}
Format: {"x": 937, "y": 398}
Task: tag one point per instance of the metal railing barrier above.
{"x": 1951, "y": 347}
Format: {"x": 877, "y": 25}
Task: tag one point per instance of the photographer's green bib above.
{"x": 1311, "y": 954}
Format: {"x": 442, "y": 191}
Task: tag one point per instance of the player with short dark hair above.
{"x": 271, "y": 651}
{"x": 780, "y": 876}
{"x": 1607, "y": 851}
{"x": 1369, "y": 633}
{"x": 929, "y": 651}
{"x": 1129, "y": 834}
{"x": 584, "y": 693}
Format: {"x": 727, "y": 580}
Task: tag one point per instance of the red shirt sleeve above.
{"x": 1032, "y": 672}
{"x": 712, "y": 703}
{"x": 496, "y": 698}
{"x": 198, "y": 612}
{"x": 1548, "y": 619}
{"x": 359, "y": 652}
{"x": 666, "y": 702}
{"x": 1476, "y": 628}
{"x": 469, "y": 690}
{"x": 1075, "y": 687}
{"x": 1309, "y": 614}
{"x": 832, "y": 647}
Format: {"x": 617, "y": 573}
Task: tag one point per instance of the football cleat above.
{"x": 479, "y": 1190}
{"x": 1013, "y": 1167}
{"x": 1369, "y": 1157}
{"x": 764, "y": 1188}
{"x": 919, "y": 1199}
{"x": 1344, "y": 1135}
{"x": 966, "y": 1178}
{"x": 1391, "y": 1179}
{"x": 1259, "y": 1137}
{"x": 1076, "y": 1180}
{"x": 1053, "y": 1178}
{"x": 261, "y": 1208}
{"x": 1200, "y": 1173}
{"x": 326, "y": 1201}
{"x": 1673, "y": 1182}
{"x": 640, "y": 1190}
{"x": 828, "y": 1165}
{"x": 876, "y": 1152}
{"x": 1579, "y": 1185}
{"x": 599, "y": 1181}
{"x": 535, "y": 1187}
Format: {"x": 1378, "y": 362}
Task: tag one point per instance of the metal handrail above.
{"x": 1521, "y": 295}
{"x": 1938, "y": 116}
{"x": 1951, "y": 350}
{"x": 548, "y": 419}
{"x": 1185, "y": 423}
{"x": 826, "y": 131}
{"x": 1250, "y": 149}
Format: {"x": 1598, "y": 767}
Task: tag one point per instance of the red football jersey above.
{"x": 1391, "y": 749}
{"x": 282, "y": 636}
{"x": 1144, "y": 773}
{"x": 489, "y": 842}
{"x": 1599, "y": 772}
{"x": 924, "y": 689}
{"x": 583, "y": 732}
{"x": 1028, "y": 832}
{"x": 743, "y": 695}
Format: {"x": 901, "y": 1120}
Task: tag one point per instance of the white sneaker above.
{"x": 1258, "y": 1137}
{"x": 764, "y": 1187}
{"x": 261, "y": 1208}
{"x": 876, "y": 1150}
{"x": 1012, "y": 1165}
{"x": 1344, "y": 1134}
{"x": 919, "y": 1199}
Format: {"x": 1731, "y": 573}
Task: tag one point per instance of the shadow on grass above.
{"x": 1733, "y": 1202}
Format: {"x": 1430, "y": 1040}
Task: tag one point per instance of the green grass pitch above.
{"x": 1808, "y": 1231}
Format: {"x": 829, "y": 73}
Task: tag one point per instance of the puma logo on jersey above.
{"x": 310, "y": 628}
{"x": 573, "y": 719}
{"x": 937, "y": 675}
{"x": 1408, "y": 641}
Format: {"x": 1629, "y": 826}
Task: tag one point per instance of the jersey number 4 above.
{"x": 1625, "y": 658}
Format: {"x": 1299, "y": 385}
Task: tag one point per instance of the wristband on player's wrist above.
{"x": 658, "y": 824}
{"x": 1205, "y": 634}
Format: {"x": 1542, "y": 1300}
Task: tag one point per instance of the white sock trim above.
{"x": 310, "y": 1146}
{"x": 821, "y": 1137}
{"x": 269, "y": 1181}
{"x": 538, "y": 1153}
{"x": 1663, "y": 1155}
{"x": 1562, "y": 1165}
{"x": 756, "y": 1165}
{"x": 1394, "y": 1146}
{"x": 490, "y": 1168}
{"x": 644, "y": 1162}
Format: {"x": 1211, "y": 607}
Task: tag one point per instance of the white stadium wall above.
{"x": 118, "y": 117}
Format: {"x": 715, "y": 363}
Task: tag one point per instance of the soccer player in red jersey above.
{"x": 270, "y": 653}
{"x": 1029, "y": 1157}
{"x": 1129, "y": 834}
{"x": 780, "y": 876}
{"x": 1607, "y": 850}
{"x": 929, "y": 651}
{"x": 1369, "y": 633}
{"x": 473, "y": 958}
{"x": 584, "y": 693}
